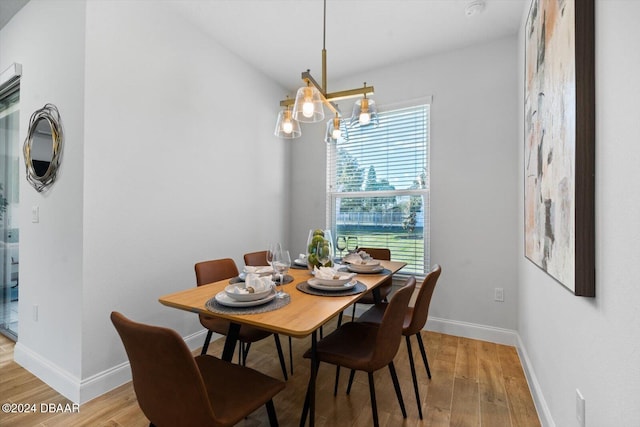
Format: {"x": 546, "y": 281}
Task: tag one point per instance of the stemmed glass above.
{"x": 341, "y": 244}
{"x": 281, "y": 263}
{"x": 323, "y": 252}
{"x": 273, "y": 248}
{"x": 352, "y": 244}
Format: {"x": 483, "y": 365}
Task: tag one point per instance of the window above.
{"x": 378, "y": 186}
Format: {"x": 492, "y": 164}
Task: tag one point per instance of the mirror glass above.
{"x": 42, "y": 147}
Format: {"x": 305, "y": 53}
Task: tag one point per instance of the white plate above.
{"x": 300, "y": 262}
{"x": 344, "y": 278}
{"x": 224, "y": 299}
{"x": 262, "y": 269}
{"x": 356, "y": 268}
{"x": 314, "y": 284}
{"x": 229, "y": 290}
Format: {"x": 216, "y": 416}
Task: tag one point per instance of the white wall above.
{"x": 170, "y": 159}
{"x": 592, "y": 344}
{"x": 474, "y": 145}
{"x": 52, "y": 58}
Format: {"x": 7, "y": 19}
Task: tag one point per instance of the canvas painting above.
{"x": 550, "y": 139}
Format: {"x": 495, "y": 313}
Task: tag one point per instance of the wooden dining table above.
{"x": 303, "y": 316}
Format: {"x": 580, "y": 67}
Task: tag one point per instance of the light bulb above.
{"x": 307, "y": 108}
{"x": 287, "y": 127}
{"x": 364, "y": 118}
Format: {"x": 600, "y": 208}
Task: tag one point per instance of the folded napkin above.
{"x": 330, "y": 273}
{"x": 357, "y": 258}
{"x": 250, "y": 269}
{"x": 253, "y": 284}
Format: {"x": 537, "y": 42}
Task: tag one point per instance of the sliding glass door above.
{"x": 9, "y": 200}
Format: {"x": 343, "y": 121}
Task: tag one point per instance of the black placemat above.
{"x": 276, "y": 303}
{"x": 307, "y": 289}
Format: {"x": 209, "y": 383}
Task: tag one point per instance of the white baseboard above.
{"x": 82, "y": 391}
{"x": 473, "y": 331}
{"x": 536, "y": 392}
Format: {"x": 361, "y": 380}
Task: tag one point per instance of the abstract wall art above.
{"x": 559, "y": 151}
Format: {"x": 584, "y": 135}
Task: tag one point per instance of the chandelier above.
{"x": 308, "y": 105}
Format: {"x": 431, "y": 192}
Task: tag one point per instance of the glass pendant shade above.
{"x": 308, "y": 106}
{"x": 335, "y": 130}
{"x": 286, "y": 126}
{"x": 365, "y": 113}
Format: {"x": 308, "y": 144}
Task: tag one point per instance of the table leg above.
{"x": 231, "y": 341}
{"x": 376, "y": 295}
{"x": 310, "y": 399}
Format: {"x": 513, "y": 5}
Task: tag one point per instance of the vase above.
{"x": 325, "y": 239}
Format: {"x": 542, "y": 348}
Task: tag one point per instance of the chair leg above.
{"x": 351, "y": 375}
{"x": 413, "y": 375}
{"x": 276, "y": 337}
{"x": 205, "y": 346}
{"x": 290, "y": 356}
{"x": 396, "y": 385}
{"x": 424, "y": 354}
{"x": 271, "y": 411}
{"x": 335, "y": 386}
{"x": 339, "y": 319}
{"x": 374, "y": 406}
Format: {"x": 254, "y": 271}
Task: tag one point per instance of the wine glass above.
{"x": 281, "y": 263}
{"x": 323, "y": 252}
{"x": 341, "y": 244}
{"x": 352, "y": 244}
{"x": 273, "y": 248}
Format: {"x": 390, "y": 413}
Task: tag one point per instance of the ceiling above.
{"x": 282, "y": 38}
{"x": 8, "y": 8}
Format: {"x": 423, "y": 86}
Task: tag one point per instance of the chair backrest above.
{"x": 390, "y": 329}
{"x": 166, "y": 379}
{"x": 256, "y": 258}
{"x": 215, "y": 270}
{"x": 378, "y": 253}
{"x": 420, "y": 310}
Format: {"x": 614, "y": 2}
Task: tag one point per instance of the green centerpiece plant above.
{"x": 319, "y": 249}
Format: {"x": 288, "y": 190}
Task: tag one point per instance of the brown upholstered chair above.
{"x": 367, "y": 347}
{"x": 384, "y": 288}
{"x": 175, "y": 389}
{"x": 220, "y": 269}
{"x": 414, "y": 320}
{"x": 257, "y": 259}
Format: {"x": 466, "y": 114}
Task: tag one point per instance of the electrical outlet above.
{"x": 580, "y": 409}
{"x": 499, "y": 294}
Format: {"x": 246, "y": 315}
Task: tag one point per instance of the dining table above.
{"x": 303, "y": 314}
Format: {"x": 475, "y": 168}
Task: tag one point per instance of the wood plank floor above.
{"x": 474, "y": 383}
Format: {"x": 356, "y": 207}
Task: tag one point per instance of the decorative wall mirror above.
{"x": 43, "y": 147}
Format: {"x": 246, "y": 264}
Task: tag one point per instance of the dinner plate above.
{"x": 314, "y": 284}
{"x": 344, "y": 278}
{"x": 224, "y": 299}
{"x": 360, "y": 269}
{"x": 300, "y": 262}
{"x": 229, "y": 290}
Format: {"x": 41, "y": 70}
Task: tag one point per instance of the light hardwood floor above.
{"x": 474, "y": 383}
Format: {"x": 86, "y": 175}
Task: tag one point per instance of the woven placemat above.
{"x": 307, "y": 289}
{"x": 276, "y": 303}
{"x": 299, "y": 267}
{"x": 276, "y": 278}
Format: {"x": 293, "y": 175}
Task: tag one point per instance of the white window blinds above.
{"x": 378, "y": 186}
